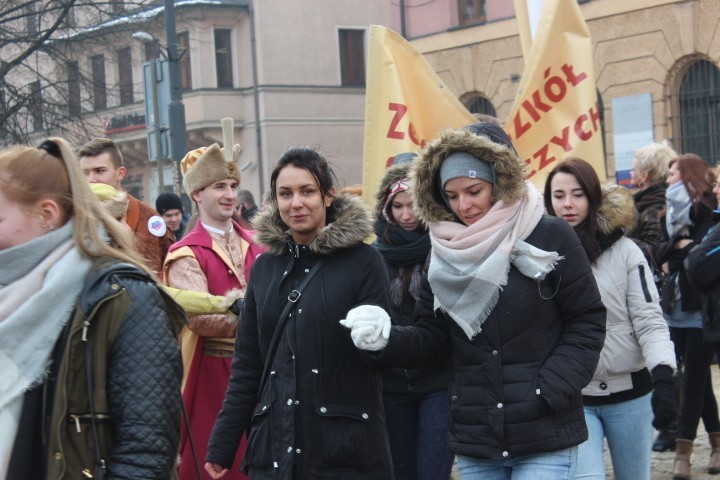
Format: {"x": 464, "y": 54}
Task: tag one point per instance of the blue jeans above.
{"x": 417, "y": 425}
{"x": 557, "y": 465}
{"x": 627, "y": 426}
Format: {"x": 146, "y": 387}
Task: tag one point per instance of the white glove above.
{"x": 369, "y": 327}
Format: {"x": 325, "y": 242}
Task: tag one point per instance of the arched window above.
{"x": 699, "y": 111}
{"x": 476, "y": 103}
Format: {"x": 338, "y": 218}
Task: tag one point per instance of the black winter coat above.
{"x": 703, "y": 270}
{"x": 320, "y": 415}
{"x": 702, "y": 221}
{"x": 516, "y": 388}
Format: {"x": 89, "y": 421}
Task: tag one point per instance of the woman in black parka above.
{"x": 510, "y": 294}
{"x": 320, "y": 413}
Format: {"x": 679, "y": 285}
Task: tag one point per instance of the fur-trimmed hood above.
{"x": 350, "y": 224}
{"x": 392, "y": 175}
{"x": 617, "y": 209}
{"x": 509, "y": 169}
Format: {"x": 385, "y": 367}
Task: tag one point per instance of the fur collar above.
{"x": 392, "y": 174}
{"x": 616, "y": 211}
{"x": 352, "y": 223}
{"x": 509, "y": 168}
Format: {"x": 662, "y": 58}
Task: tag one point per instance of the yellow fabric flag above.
{"x": 556, "y": 114}
{"x": 406, "y": 105}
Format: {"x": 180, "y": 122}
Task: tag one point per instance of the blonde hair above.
{"x": 655, "y": 160}
{"x": 29, "y": 174}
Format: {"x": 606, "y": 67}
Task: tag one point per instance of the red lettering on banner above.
{"x": 554, "y": 90}
{"x": 520, "y": 128}
{"x": 564, "y": 140}
{"x": 582, "y": 134}
{"x": 414, "y": 137}
{"x": 571, "y": 77}
{"x": 400, "y": 111}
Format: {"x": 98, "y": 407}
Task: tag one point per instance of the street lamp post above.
{"x": 176, "y": 108}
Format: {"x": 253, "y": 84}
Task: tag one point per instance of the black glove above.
{"x": 664, "y": 402}
{"x": 236, "y": 306}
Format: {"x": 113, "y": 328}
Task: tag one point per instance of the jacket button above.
{"x": 289, "y": 402}
{"x": 454, "y": 398}
{"x": 289, "y": 449}
{"x": 229, "y": 272}
{"x": 365, "y": 416}
{"x": 58, "y": 455}
{"x": 500, "y": 405}
{"x": 603, "y": 385}
{"x": 298, "y": 450}
{"x": 505, "y": 454}
{"x": 323, "y": 410}
{"x": 115, "y": 286}
{"x": 494, "y": 353}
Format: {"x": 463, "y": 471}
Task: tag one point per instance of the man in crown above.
{"x": 214, "y": 257}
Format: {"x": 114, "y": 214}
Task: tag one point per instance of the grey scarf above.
{"x": 40, "y": 281}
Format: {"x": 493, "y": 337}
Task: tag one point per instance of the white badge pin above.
{"x": 157, "y": 226}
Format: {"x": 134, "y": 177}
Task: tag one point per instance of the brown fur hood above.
{"x": 392, "y": 175}
{"x": 510, "y": 171}
{"x": 617, "y": 209}
{"x": 352, "y": 223}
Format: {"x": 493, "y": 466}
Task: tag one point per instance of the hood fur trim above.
{"x": 509, "y": 169}
{"x": 617, "y": 209}
{"x": 353, "y": 223}
{"x": 392, "y": 175}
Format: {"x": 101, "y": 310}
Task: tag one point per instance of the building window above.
{"x": 31, "y": 20}
{"x": 97, "y": 65}
{"x": 223, "y": 58}
{"x": 73, "y": 85}
{"x": 184, "y": 52}
{"x": 471, "y": 11}
{"x": 117, "y": 6}
{"x": 352, "y": 56}
{"x": 152, "y": 50}
{"x": 70, "y": 20}
{"x": 125, "y": 76}
{"x": 476, "y": 103}
{"x": 36, "y": 106}
{"x": 699, "y": 111}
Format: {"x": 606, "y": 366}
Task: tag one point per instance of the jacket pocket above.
{"x": 343, "y": 432}
{"x": 259, "y": 452}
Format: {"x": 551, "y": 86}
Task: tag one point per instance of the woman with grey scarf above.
{"x": 89, "y": 366}
{"x": 510, "y": 297}
{"x": 689, "y": 217}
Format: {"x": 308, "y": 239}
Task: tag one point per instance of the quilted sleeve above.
{"x": 144, "y": 374}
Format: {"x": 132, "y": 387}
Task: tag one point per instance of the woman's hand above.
{"x": 215, "y": 470}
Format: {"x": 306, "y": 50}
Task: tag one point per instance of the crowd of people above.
{"x": 514, "y": 332}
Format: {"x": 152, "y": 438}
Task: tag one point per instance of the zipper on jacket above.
{"x": 86, "y": 418}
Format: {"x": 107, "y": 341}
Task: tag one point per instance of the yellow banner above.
{"x": 406, "y": 104}
{"x": 556, "y": 114}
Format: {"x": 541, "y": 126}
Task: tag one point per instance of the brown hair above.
{"x": 98, "y": 146}
{"x": 29, "y": 175}
{"x": 697, "y": 178}
{"x": 590, "y": 184}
